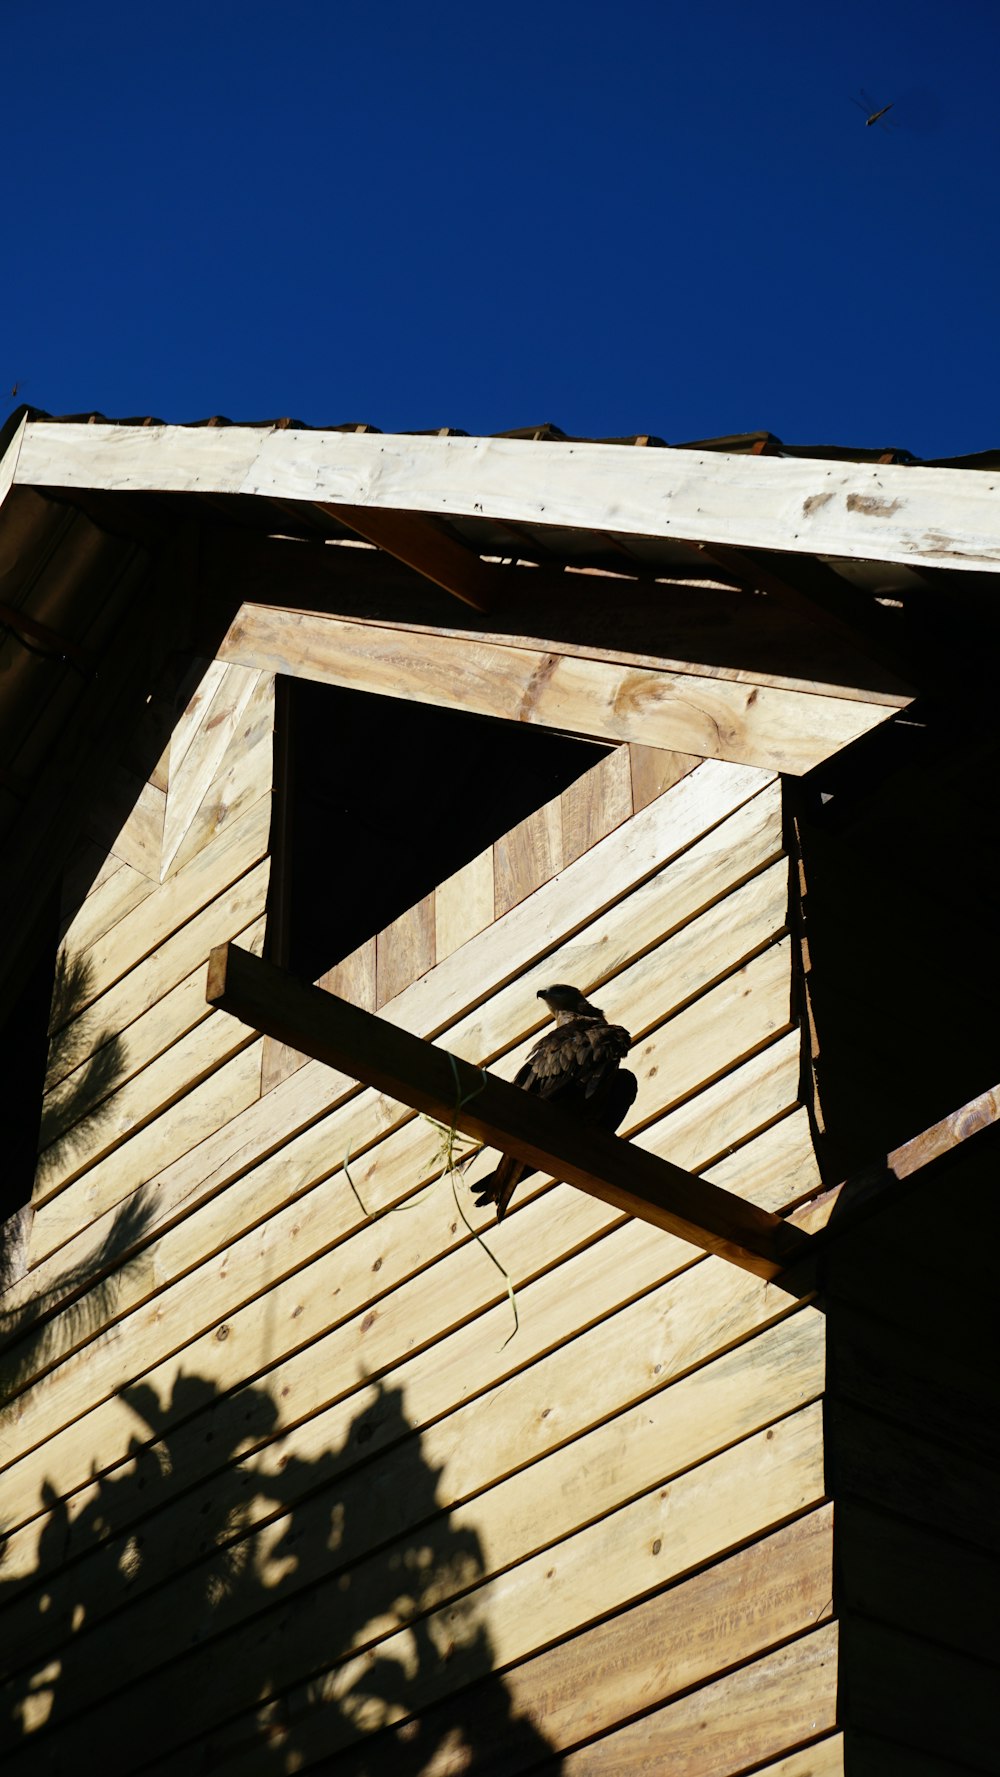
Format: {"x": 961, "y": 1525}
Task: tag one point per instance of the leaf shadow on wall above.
{"x": 217, "y": 1602}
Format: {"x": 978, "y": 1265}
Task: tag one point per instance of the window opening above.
{"x": 382, "y": 799}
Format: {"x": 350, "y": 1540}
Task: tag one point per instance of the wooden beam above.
{"x": 423, "y": 546}
{"x": 639, "y": 619}
{"x": 773, "y": 727}
{"x": 937, "y": 518}
{"x": 490, "y": 1110}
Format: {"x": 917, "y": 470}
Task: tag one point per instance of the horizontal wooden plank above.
{"x": 771, "y": 1170}
{"x": 745, "y": 1009}
{"x": 675, "y": 616}
{"x": 767, "y": 726}
{"x": 924, "y": 516}
{"x": 741, "y": 1493}
{"x": 588, "y": 1684}
{"x": 649, "y": 1444}
{"x": 764, "y": 1709}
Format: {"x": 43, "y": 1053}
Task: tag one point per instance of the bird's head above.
{"x": 563, "y": 998}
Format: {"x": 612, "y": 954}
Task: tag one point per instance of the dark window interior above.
{"x": 386, "y": 798}
{"x": 901, "y": 888}
{"x": 23, "y": 1057}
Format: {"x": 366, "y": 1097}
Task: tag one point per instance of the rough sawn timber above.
{"x": 873, "y": 511}
{"x": 763, "y": 725}
{"x": 490, "y": 1110}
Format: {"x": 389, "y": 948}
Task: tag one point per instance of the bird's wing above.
{"x": 577, "y": 1055}
{"x": 580, "y": 1052}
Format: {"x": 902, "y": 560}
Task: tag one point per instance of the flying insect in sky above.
{"x": 874, "y": 113}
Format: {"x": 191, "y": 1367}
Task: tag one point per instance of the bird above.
{"x": 575, "y": 1065}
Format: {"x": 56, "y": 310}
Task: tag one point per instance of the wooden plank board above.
{"x": 178, "y": 901}
{"x": 762, "y": 1710}
{"x": 404, "y": 950}
{"x": 767, "y": 726}
{"x": 723, "y": 1616}
{"x": 695, "y": 1417}
{"x": 596, "y": 804}
{"x": 666, "y": 834}
{"x": 111, "y": 1016}
{"x": 655, "y": 770}
{"x": 134, "y": 1104}
{"x": 175, "y": 1132}
{"x": 463, "y": 907}
{"x": 526, "y": 857}
{"x": 680, "y": 619}
{"x": 87, "y": 869}
{"x": 194, "y": 764}
{"x": 246, "y": 772}
{"x": 896, "y": 1469}
{"x": 354, "y": 979}
{"x": 655, "y": 1443}
{"x": 148, "y": 1036}
{"x": 908, "y": 1576}
{"x": 739, "y": 1494}
{"x": 884, "y": 1670}
{"x": 128, "y": 819}
{"x": 431, "y": 551}
{"x": 109, "y": 900}
{"x": 871, "y": 511}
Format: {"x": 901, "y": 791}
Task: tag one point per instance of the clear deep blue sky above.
{"x": 621, "y": 218}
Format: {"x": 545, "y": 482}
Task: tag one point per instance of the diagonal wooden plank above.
{"x": 441, "y": 1085}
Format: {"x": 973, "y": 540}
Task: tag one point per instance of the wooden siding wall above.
{"x": 282, "y": 1486}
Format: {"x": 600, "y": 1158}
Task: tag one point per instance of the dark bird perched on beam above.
{"x": 575, "y": 1065}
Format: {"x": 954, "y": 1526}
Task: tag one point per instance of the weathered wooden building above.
{"x": 307, "y": 1465}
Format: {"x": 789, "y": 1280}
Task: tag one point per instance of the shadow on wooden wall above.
{"x": 182, "y": 1624}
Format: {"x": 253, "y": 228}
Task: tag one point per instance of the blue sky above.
{"x": 619, "y": 218}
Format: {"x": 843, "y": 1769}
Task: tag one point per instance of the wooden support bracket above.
{"x": 421, "y": 545}
{"x": 490, "y": 1110}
